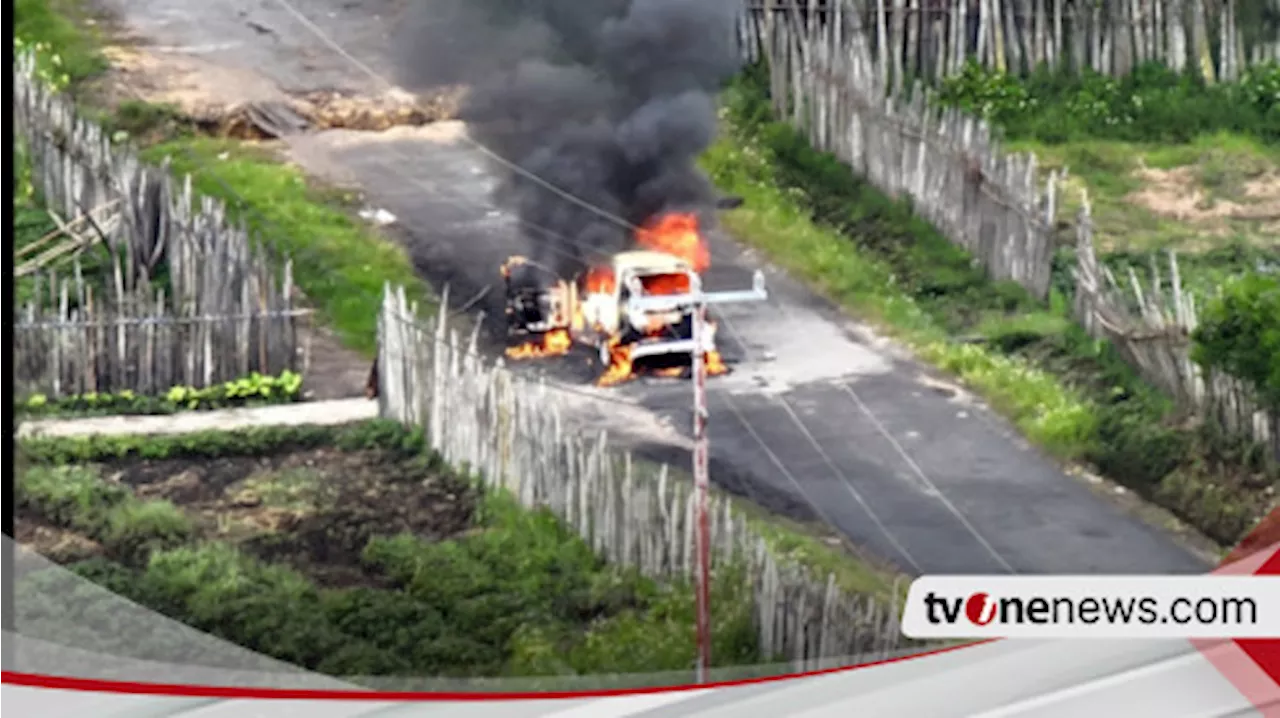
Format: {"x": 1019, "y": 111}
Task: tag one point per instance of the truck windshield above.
{"x": 665, "y": 283}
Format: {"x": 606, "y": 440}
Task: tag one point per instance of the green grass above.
{"x": 1073, "y": 396}
{"x": 520, "y": 594}
{"x": 77, "y": 497}
{"x": 339, "y": 263}
{"x": 60, "y": 26}
{"x": 520, "y": 579}
{"x": 1217, "y": 165}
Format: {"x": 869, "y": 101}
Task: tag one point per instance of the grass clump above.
{"x": 77, "y": 497}
{"x": 339, "y": 263}
{"x": 67, "y": 53}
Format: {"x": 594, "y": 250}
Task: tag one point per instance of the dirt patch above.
{"x": 58, "y": 544}
{"x": 314, "y": 510}
{"x": 230, "y": 102}
{"x": 1181, "y": 194}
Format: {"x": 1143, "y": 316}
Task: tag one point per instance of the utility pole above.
{"x": 697, "y": 301}
{"x": 701, "y": 484}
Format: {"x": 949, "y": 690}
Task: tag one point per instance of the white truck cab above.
{"x": 649, "y": 332}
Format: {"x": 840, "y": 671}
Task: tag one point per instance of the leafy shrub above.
{"x": 78, "y": 498}
{"x": 135, "y": 528}
{"x": 1152, "y": 104}
{"x": 252, "y": 390}
{"x": 517, "y": 593}
{"x": 72, "y": 496}
{"x": 1239, "y": 333}
{"x": 1134, "y": 446}
{"x": 203, "y": 444}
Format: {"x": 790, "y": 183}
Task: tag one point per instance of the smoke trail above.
{"x": 609, "y": 100}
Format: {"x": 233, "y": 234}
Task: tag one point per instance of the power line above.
{"x": 324, "y": 37}
{"x": 320, "y": 34}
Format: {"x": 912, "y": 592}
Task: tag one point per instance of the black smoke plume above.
{"x": 611, "y": 101}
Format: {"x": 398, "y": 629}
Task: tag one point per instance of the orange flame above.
{"x": 556, "y": 342}
{"x": 715, "y": 364}
{"x": 619, "y": 369}
{"x": 676, "y": 234}
{"x": 600, "y": 280}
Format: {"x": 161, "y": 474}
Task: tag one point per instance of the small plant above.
{"x": 252, "y": 390}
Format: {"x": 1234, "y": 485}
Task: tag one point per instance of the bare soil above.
{"x": 224, "y": 100}
{"x": 1180, "y": 194}
{"x": 57, "y": 544}
{"x": 314, "y": 510}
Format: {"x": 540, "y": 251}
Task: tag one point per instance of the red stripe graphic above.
{"x": 37, "y": 680}
{"x": 1252, "y": 665}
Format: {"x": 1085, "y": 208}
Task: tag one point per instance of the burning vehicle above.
{"x": 599, "y": 308}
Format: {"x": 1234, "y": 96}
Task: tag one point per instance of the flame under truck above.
{"x": 642, "y": 299}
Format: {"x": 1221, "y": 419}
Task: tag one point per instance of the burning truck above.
{"x": 548, "y": 314}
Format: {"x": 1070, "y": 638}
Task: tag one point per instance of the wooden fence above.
{"x": 929, "y": 39}
{"x": 185, "y": 297}
{"x": 823, "y": 80}
{"x": 1151, "y": 324}
{"x": 515, "y": 434}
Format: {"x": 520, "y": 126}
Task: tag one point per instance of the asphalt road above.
{"x": 815, "y": 418}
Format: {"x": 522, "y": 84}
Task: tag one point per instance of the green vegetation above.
{"x": 1239, "y": 334}
{"x": 252, "y": 390}
{"x": 66, "y": 53}
{"x": 76, "y": 497}
{"x": 339, "y": 263}
{"x": 1072, "y": 395}
{"x": 1151, "y": 105}
{"x": 1147, "y": 197}
{"x": 514, "y": 593}
{"x": 1168, "y": 162}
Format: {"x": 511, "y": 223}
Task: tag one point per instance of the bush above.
{"x": 252, "y": 390}
{"x": 1153, "y": 104}
{"x": 78, "y": 498}
{"x": 73, "y": 496}
{"x": 60, "y": 450}
{"x": 518, "y": 593}
{"x": 1239, "y": 333}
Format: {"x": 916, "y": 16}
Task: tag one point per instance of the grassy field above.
{"x": 66, "y": 43}
{"x": 1215, "y": 201}
{"x": 350, "y": 552}
{"x": 1069, "y": 394}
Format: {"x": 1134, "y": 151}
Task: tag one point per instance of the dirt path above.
{"x": 819, "y": 416}
{"x": 326, "y": 413}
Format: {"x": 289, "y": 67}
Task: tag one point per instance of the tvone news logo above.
{"x": 982, "y": 609}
